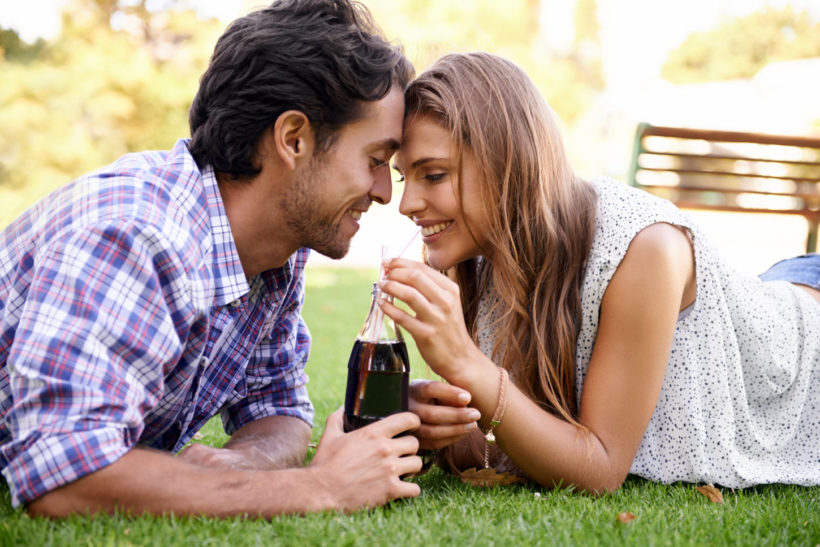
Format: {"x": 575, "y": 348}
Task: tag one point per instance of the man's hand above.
{"x": 363, "y": 468}
{"x": 350, "y": 471}
{"x": 442, "y": 408}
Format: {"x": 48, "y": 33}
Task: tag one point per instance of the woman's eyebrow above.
{"x": 420, "y": 161}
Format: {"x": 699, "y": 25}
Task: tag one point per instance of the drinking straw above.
{"x": 381, "y": 277}
{"x": 407, "y": 246}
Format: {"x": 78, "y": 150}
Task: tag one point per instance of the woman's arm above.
{"x": 638, "y": 317}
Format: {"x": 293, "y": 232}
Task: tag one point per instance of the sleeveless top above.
{"x": 740, "y": 400}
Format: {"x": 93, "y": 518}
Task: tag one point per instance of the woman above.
{"x": 590, "y": 324}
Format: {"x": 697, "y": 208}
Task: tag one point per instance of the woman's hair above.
{"x": 540, "y": 217}
{"x": 324, "y": 58}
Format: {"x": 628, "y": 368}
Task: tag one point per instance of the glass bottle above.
{"x": 378, "y": 370}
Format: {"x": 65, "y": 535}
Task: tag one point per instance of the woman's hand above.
{"x": 442, "y": 408}
{"x": 438, "y": 324}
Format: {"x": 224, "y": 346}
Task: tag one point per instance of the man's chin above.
{"x": 335, "y": 252}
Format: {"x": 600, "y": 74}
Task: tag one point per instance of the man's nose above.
{"x": 382, "y": 189}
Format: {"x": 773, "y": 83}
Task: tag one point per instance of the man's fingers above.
{"x": 406, "y": 489}
{"x": 406, "y": 444}
{"x": 409, "y": 465}
{"x": 334, "y": 425}
{"x": 393, "y": 425}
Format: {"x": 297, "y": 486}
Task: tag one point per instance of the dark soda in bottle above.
{"x": 378, "y": 370}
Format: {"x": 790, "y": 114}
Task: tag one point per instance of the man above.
{"x": 142, "y": 299}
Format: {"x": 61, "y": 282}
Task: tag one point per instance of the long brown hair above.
{"x": 541, "y": 217}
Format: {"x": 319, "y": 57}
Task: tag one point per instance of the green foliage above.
{"x": 99, "y": 94}
{"x": 13, "y": 49}
{"x": 447, "y": 512}
{"x": 741, "y": 47}
{"x": 120, "y": 77}
{"x": 429, "y": 29}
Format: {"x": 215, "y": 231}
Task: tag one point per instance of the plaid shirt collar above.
{"x": 230, "y": 282}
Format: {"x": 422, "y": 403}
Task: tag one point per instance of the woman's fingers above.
{"x": 438, "y": 432}
{"x": 440, "y": 392}
{"x": 430, "y": 284}
{"x": 444, "y": 415}
{"x": 405, "y": 263}
{"x": 417, "y": 328}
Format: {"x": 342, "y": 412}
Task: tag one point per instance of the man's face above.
{"x": 332, "y": 193}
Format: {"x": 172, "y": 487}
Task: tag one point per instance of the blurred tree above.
{"x": 571, "y": 81}
{"x": 741, "y": 47}
{"x": 12, "y": 48}
{"x": 122, "y": 74}
{"x": 430, "y": 28}
{"x": 106, "y": 88}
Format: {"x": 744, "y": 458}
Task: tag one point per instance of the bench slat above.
{"x": 733, "y": 163}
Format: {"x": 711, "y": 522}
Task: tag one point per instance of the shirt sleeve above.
{"x": 88, "y": 356}
{"x": 275, "y": 378}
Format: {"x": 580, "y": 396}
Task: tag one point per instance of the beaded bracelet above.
{"x": 501, "y": 406}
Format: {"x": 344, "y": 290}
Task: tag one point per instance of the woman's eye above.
{"x": 434, "y": 177}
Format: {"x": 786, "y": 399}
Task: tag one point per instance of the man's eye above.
{"x": 376, "y": 162}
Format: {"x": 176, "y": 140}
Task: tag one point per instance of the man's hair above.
{"x": 324, "y": 58}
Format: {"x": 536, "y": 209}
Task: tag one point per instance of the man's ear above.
{"x": 292, "y": 136}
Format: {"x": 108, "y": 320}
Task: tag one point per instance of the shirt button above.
{"x": 235, "y": 304}
{"x": 204, "y": 362}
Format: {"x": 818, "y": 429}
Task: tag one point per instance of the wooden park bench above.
{"x": 730, "y": 171}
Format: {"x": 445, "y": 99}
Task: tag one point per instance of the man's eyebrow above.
{"x": 387, "y": 144}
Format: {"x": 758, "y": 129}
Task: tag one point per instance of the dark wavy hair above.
{"x": 321, "y": 57}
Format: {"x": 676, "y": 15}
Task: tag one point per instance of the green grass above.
{"x": 447, "y": 512}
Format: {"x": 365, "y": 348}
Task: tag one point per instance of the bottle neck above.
{"x": 377, "y": 326}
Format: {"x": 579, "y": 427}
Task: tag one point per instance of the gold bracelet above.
{"x": 500, "y": 407}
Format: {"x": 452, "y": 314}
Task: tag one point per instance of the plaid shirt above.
{"x": 126, "y": 318}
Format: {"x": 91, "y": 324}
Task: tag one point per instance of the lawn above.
{"x": 448, "y": 512}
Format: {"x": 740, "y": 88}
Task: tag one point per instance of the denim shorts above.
{"x": 803, "y": 269}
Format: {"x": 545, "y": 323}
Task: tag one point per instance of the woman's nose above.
{"x": 411, "y": 201}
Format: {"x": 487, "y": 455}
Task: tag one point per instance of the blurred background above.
{"x": 84, "y": 81}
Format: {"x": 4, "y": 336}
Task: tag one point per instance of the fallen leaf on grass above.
{"x": 488, "y": 477}
{"x": 711, "y": 492}
{"x": 625, "y": 517}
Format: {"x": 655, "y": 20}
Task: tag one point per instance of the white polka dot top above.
{"x": 740, "y": 401}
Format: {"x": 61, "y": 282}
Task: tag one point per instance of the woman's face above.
{"x": 428, "y": 162}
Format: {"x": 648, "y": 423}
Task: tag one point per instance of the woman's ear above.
{"x": 291, "y": 138}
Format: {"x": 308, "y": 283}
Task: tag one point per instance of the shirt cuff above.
{"x": 56, "y": 460}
